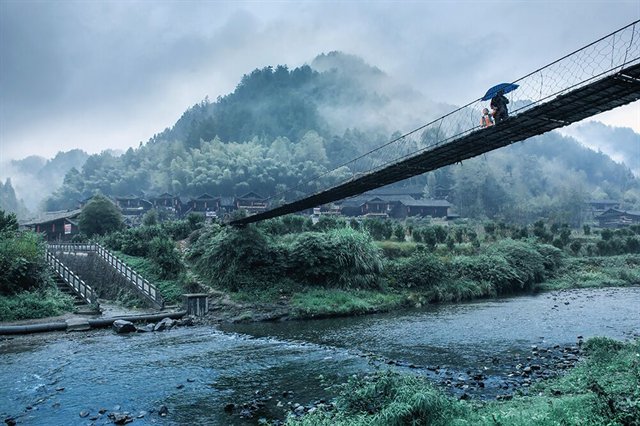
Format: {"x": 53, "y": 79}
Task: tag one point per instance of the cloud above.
{"x": 99, "y": 75}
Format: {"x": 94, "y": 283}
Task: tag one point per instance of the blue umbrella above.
{"x": 505, "y": 87}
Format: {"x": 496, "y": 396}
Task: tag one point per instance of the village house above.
{"x": 251, "y": 202}
{"x": 397, "y": 207}
{"x": 167, "y": 201}
{"x": 56, "y": 226}
{"x": 132, "y": 205}
{"x": 614, "y": 218}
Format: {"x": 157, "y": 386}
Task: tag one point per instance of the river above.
{"x": 68, "y": 378}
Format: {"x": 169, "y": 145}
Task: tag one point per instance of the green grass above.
{"x": 171, "y": 290}
{"x": 335, "y": 302}
{"x": 36, "y": 304}
{"x": 593, "y": 272}
{"x": 604, "y": 389}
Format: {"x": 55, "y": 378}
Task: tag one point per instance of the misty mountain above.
{"x": 280, "y": 128}
{"x": 34, "y": 178}
{"x": 336, "y": 92}
{"x": 620, "y": 143}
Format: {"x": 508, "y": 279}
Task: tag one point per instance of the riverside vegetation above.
{"x": 604, "y": 389}
{"x": 341, "y": 267}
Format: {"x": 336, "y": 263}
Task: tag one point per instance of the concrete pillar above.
{"x": 196, "y": 304}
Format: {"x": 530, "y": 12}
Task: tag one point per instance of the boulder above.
{"x": 122, "y": 326}
{"x": 120, "y": 418}
{"x": 165, "y": 324}
{"x": 146, "y": 329}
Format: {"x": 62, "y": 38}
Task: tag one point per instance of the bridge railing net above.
{"x": 597, "y": 60}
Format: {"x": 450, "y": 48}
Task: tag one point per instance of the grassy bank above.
{"x": 341, "y": 271}
{"x": 604, "y": 389}
{"x": 34, "y": 304}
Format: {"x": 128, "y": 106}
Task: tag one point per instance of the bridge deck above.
{"x": 596, "y": 97}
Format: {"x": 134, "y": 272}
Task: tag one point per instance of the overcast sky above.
{"x": 109, "y": 74}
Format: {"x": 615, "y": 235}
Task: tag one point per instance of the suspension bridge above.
{"x": 598, "y": 77}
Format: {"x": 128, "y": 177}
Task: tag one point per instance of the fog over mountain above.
{"x": 621, "y": 143}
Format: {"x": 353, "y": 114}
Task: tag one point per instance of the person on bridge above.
{"x": 487, "y": 119}
{"x": 499, "y": 107}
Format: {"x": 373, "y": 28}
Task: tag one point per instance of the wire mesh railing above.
{"x": 604, "y": 57}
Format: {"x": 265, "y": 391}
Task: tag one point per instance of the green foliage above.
{"x": 331, "y": 302}
{"x": 236, "y": 258}
{"x": 604, "y": 389}
{"x": 99, "y": 217}
{"x": 388, "y": 399}
{"x": 420, "y": 271}
{"x": 163, "y": 253}
{"x": 34, "y": 304}
{"x": 150, "y": 218}
{"x": 399, "y": 232}
{"x": 527, "y": 263}
{"x": 171, "y": 289}
{"x": 8, "y": 222}
{"x": 289, "y": 224}
{"x": 341, "y": 257}
{"x": 493, "y": 269}
{"x": 393, "y": 250}
{"x": 379, "y": 229}
{"x": 22, "y": 262}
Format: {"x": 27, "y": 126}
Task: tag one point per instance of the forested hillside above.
{"x": 281, "y": 127}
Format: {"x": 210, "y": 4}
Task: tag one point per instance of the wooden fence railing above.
{"x": 144, "y": 287}
{"x": 80, "y": 287}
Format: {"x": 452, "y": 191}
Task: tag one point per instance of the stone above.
{"x": 165, "y": 324}
{"x": 163, "y": 411}
{"x": 84, "y": 413}
{"x": 120, "y": 418}
{"x": 146, "y": 329}
{"x": 10, "y": 421}
{"x": 122, "y": 326}
{"x": 180, "y": 386}
{"x": 229, "y": 407}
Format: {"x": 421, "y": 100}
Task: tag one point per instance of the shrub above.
{"x": 526, "y": 261}
{"x": 163, "y": 253}
{"x": 341, "y": 257}
{"x": 395, "y": 250}
{"x": 36, "y": 304}
{"x": 421, "y": 271}
{"x": 236, "y": 258}
{"x": 99, "y": 217}
{"x": 22, "y": 262}
{"x": 493, "y": 269}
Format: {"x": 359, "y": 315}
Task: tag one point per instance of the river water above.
{"x": 54, "y": 378}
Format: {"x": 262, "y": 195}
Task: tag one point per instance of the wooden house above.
{"x": 204, "y": 203}
{"x": 132, "y": 205}
{"x": 251, "y": 202}
{"x": 397, "y": 207}
{"x": 167, "y": 201}
{"x": 56, "y": 226}
{"x": 614, "y": 218}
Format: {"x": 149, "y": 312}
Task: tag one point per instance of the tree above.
{"x": 8, "y": 222}
{"x": 99, "y": 217}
